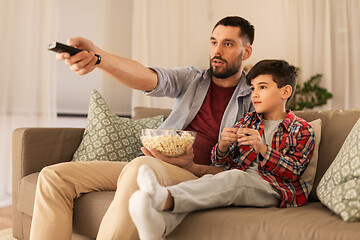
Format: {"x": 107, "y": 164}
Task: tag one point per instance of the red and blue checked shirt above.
{"x": 285, "y": 160}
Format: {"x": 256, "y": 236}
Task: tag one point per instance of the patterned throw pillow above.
{"x": 339, "y": 188}
{"x": 108, "y": 137}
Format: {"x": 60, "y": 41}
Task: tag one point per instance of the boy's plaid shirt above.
{"x": 284, "y": 162}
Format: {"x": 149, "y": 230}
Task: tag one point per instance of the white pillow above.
{"x": 310, "y": 172}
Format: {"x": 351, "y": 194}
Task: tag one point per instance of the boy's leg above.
{"x": 58, "y": 185}
{"x": 146, "y": 205}
{"x": 149, "y": 221}
{"x": 234, "y": 187}
{"x": 117, "y": 223}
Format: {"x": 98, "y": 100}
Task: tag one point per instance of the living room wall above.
{"x": 111, "y": 30}
{"x": 108, "y": 25}
{"x": 301, "y": 32}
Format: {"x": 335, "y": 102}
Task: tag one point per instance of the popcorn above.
{"x": 171, "y": 144}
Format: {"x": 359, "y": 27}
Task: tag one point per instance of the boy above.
{"x": 264, "y": 156}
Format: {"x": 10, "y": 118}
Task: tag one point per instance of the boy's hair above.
{"x": 246, "y": 29}
{"x": 281, "y": 71}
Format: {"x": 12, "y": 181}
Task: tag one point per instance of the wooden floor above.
{"x": 5, "y": 218}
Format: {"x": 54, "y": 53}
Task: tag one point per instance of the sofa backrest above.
{"x": 336, "y": 125}
{"x": 145, "y": 112}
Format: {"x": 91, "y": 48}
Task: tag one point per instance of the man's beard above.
{"x": 229, "y": 70}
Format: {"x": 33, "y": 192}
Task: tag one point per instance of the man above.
{"x": 206, "y": 102}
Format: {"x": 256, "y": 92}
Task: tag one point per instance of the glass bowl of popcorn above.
{"x": 171, "y": 143}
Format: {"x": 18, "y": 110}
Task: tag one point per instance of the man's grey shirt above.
{"x": 189, "y": 86}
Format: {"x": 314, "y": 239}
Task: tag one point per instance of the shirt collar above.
{"x": 242, "y": 89}
{"x": 287, "y": 122}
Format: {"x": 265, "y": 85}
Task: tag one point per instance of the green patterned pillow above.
{"x": 108, "y": 137}
{"x": 339, "y": 188}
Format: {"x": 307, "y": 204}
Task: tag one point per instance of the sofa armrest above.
{"x": 35, "y": 148}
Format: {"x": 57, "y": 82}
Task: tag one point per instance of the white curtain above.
{"x": 319, "y": 36}
{"x": 27, "y": 83}
{"x": 159, "y": 38}
{"x": 324, "y": 35}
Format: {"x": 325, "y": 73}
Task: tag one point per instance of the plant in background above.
{"x": 309, "y": 95}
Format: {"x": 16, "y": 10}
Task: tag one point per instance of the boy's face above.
{"x": 267, "y": 97}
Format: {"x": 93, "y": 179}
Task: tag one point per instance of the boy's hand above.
{"x": 228, "y": 136}
{"x": 249, "y": 136}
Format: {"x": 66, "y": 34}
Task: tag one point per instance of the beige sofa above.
{"x": 35, "y": 148}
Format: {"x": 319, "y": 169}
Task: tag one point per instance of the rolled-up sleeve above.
{"x": 172, "y": 82}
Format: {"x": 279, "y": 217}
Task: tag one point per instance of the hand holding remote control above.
{"x": 128, "y": 72}
{"x": 81, "y": 61}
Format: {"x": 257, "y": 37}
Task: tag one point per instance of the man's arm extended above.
{"x": 128, "y": 72}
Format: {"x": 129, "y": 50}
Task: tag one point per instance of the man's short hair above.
{"x": 246, "y": 29}
{"x": 281, "y": 71}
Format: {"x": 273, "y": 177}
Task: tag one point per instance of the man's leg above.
{"x": 58, "y": 185}
{"x": 117, "y": 223}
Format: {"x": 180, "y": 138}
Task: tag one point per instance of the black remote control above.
{"x": 59, "y": 47}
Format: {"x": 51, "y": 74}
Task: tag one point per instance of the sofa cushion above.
{"x": 339, "y": 189}
{"x": 311, "y": 221}
{"x": 89, "y": 210}
{"x": 108, "y": 137}
{"x": 27, "y": 190}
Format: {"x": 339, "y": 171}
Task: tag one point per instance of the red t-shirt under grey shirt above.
{"x": 207, "y": 122}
